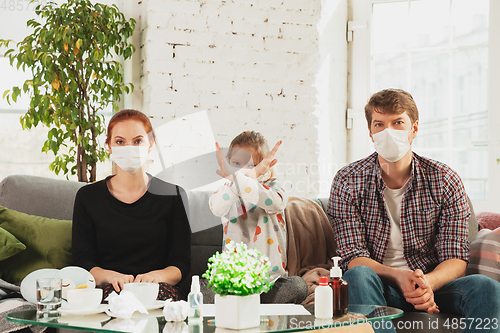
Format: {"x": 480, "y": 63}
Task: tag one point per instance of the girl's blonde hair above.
{"x": 254, "y": 140}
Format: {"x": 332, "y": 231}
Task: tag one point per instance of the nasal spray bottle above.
{"x": 195, "y": 299}
{"x": 340, "y": 289}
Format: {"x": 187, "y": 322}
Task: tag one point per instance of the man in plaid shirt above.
{"x": 401, "y": 224}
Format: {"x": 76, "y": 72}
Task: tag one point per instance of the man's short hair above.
{"x": 391, "y": 101}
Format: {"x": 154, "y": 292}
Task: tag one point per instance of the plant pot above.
{"x": 237, "y": 312}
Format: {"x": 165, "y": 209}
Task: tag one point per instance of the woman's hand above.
{"x": 153, "y": 277}
{"x": 103, "y": 276}
{"x": 118, "y": 280}
{"x": 224, "y": 166}
{"x": 265, "y": 164}
{"x": 171, "y": 275}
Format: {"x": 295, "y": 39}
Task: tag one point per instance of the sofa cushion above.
{"x": 40, "y": 196}
{"x": 488, "y": 220}
{"x": 48, "y": 244}
{"x": 9, "y": 245}
{"x": 485, "y": 254}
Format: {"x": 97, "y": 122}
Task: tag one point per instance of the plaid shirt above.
{"x": 434, "y": 214}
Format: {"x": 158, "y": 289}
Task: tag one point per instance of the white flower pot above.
{"x": 237, "y": 312}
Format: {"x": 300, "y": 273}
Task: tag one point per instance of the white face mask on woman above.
{"x": 391, "y": 144}
{"x": 130, "y": 158}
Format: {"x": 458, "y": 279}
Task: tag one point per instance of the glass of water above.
{"x": 48, "y": 296}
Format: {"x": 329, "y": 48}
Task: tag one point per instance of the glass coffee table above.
{"x": 361, "y": 315}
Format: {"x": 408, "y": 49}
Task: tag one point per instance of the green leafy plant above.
{"x": 74, "y": 76}
{"x": 238, "y": 271}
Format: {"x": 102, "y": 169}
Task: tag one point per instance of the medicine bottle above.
{"x": 323, "y": 299}
{"x": 339, "y": 288}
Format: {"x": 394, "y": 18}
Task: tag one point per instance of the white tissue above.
{"x": 124, "y": 305}
{"x": 175, "y": 311}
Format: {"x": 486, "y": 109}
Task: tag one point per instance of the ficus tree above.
{"x": 72, "y": 55}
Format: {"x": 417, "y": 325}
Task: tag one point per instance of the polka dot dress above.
{"x": 252, "y": 212}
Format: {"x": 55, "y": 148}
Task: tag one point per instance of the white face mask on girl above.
{"x": 391, "y": 144}
{"x": 130, "y": 158}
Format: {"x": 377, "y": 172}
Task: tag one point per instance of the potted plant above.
{"x": 71, "y": 55}
{"x": 238, "y": 276}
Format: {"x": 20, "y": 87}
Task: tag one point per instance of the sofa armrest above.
{"x": 322, "y": 202}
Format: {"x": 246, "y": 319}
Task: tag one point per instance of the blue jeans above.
{"x": 475, "y": 297}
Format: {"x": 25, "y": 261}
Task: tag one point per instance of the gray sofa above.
{"x": 54, "y": 199}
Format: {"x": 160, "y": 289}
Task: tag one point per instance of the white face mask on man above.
{"x": 129, "y": 158}
{"x": 391, "y": 144}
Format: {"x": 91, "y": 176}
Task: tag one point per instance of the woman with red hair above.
{"x": 132, "y": 227}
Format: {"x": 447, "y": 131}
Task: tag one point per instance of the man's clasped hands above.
{"x": 417, "y": 290}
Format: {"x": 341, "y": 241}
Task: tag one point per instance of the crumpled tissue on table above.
{"x": 124, "y": 305}
{"x": 175, "y": 311}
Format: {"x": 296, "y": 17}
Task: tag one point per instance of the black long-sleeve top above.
{"x": 149, "y": 234}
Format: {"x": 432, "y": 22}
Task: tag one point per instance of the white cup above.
{"x": 145, "y": 292}
{"x": 84, "y": 299}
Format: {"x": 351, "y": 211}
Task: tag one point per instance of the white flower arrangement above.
{"x": 238, "y": 271}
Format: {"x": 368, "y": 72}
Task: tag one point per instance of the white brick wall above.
{"x": 251, "y": 65}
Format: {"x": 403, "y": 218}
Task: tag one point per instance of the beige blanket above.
{"x": 310, "y": 242}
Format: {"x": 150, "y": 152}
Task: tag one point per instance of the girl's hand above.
{"x": 224, "y": 167}
{"x": 265, "y": 164}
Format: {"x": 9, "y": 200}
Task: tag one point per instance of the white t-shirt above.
{"x": 394, "y": 256}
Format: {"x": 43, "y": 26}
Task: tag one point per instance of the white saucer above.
{"x": 156, "y": 305}
{"x": 99, "y": 309}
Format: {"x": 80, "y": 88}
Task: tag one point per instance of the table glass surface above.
{"x": 155, "y": 321}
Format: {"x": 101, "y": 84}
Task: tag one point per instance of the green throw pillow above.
{"x": 48, "y": 244}
{"x": 9, "y": 245}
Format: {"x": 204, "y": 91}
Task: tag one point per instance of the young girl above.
{"x": 251, "y": 205}
{"x": 123, "y": 230}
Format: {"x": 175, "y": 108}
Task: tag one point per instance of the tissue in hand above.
{"x": 124, "y": 305}
{"x": 175, "y": 311}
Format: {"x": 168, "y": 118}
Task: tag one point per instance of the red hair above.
{"x": 130, "y": 114}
